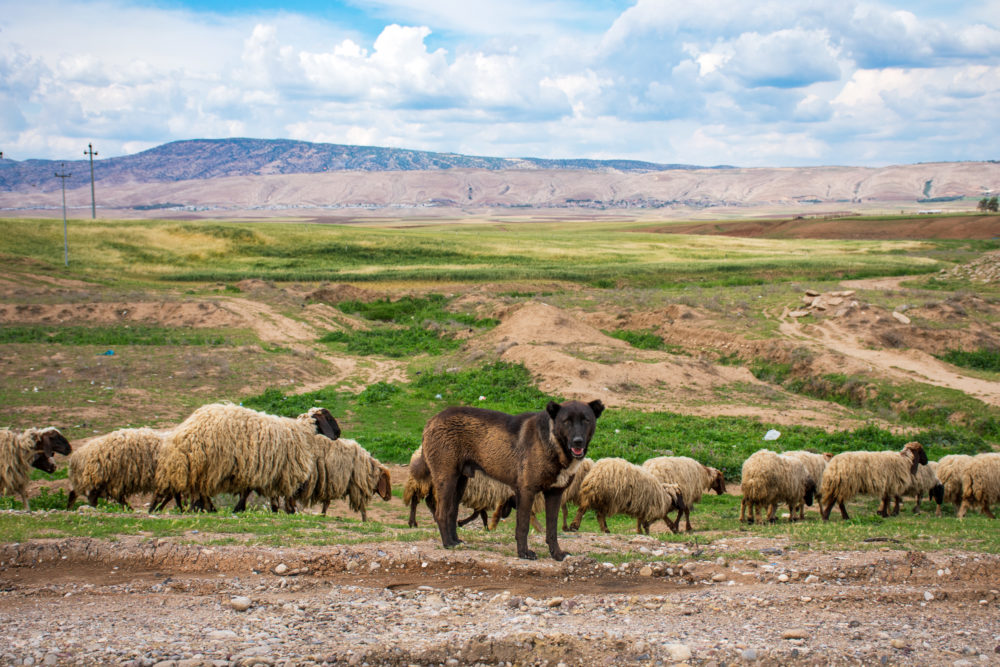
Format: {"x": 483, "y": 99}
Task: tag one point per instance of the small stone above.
{"x": 555, "y": 602}
{"x": 352, "y": 565}
{"x": 795, "y": 633}
{"x": 854, "y": 623}
{"x": 280, "y": 568}
{"x": 782, "y": 577}
{"x": 928, "y": 596}
{"x": 240, "y": 603}
{"x": 221, "y": 634}
{"x": 812, "y": 579}
{"x": 374, "y": 565}
{"x": 718, "y": 576}
{"x": 749, "y": 654}
{"x": 51, "y": 659}
{"x": 678, "y": 652}
{"x": 900, "y": 317}
{"x": 646, "y": 571}
{"x": 515, "y": 602}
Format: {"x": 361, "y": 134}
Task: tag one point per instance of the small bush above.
{"x": 377, "y": 393}
{"x": 984, "y": 359}
{"x": 645, "y": 340}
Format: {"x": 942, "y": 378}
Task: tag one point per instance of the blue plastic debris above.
{"x": 109, "y": 353}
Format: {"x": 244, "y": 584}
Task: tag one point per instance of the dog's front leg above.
{"x": 553, "y": 499}
{"x": 524, "y": 498}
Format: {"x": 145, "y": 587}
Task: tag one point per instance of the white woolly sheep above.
{"x": 368, "y": 476}
{"x": 815, "y": 465}
{"x": 924, "y": 482}
{"x": 880, "y": 474}
{"x": 981, "y": 483}
{"x": 768, "y": 478}
{"x": 693, "y": 477}
{"x": 117, "y": 465}
{"x": 950, "y": 473}
{"x": 20, "y": 451}
{"x": 616, "y": 486}
{"x": 571, "y": 494}
{"x": 226, "y": 448}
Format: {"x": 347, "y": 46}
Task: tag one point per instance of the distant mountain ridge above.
{"x": 197, "y": 159}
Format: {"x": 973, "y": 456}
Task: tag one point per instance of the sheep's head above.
{"x": 50, "y": 441}
{"x": 810, "y": 493}
{"x": 325, "y": 423}
{"x": 43, "y": 463}
{"x": 718, "y": 481}
{"x": 915, "y": 452}
{"x": 384, "y": 486}
{"x": 828, "y": 456}
{"x": 937, "y": 493}
{"x": 508, "y": 506}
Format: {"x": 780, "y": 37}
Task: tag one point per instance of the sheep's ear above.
{"x": 385, "y": 485}
{"x": 553, "y": 409}
{"x": 597, "y": 407}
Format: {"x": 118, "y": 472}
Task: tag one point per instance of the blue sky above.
{"x": 765, "y": 83}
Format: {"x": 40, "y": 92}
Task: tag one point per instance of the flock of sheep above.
{"x": 303, "y": 461}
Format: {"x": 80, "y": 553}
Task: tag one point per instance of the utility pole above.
{"x": 93, "y": 202}
{"x": 64, "y": 176}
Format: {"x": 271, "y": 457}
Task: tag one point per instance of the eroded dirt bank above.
{"x": 146, "y": 601}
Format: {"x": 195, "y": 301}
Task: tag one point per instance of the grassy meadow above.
{"x": 158, "y": 373}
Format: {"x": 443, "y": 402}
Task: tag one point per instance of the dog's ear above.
{"x": 597, "y": 407}
{"x": 553, "y": 409}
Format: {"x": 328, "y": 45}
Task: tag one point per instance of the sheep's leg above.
{"x": 241, "y": 504}
{"x": 916, "y": 506}
{"x": 24, "y": 500}
{"x": 274, "y": 505}
{"x": 638, "y": 525}
{"x": 843, "y": 510}
{"x": 290, "y": 506}
{"x": 986, "y": 509}
{"x": 565, "y": 514}
{"x": 72, "y": 499}
{"x": 92, "y": 497}
{"x": 824, "y": 510}
{"x": 771, "y": 509}
{"x": 687, "y": 520}
{"x": 674, "y": 526}
{"x": 578, "y": 519}
{"x": 412, "y": 521}
{"x": 743, "y": 510}
{"x": 602, "y": 523}
{"x": 883, "y": 508}
{"x": 537, "y": 526}
{"x": 364, "y": 514}
{"x": 326, "y": 506}
{"x": 472, "y": 517}
{"x": 123, "y": 501}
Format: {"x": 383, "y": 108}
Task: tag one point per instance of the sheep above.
{"x": 116, "y": 464}
{"x": 925, "y": 481}
{"x": 368, "y": 477}
{"x": 768, "y": 478}
{"x": 226, "y": 448}
{"x": 616, "y": 486}
{"x": 482, "y": 494}
{"x": 815, "y": 465}
{"x": 19, "y": 451}
{"x": 880, "y": 474}
{"x": 950, "y": 473}
{"x": 572, "y": 492}
{"x": 981, "y": 483}
{"x": 692, "y": 476}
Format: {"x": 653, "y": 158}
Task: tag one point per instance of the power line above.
{"x": 93, "y": 202}
{"x": 63, "y": 177}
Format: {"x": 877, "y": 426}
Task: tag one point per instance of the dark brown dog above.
{"x": 533, "y": 452}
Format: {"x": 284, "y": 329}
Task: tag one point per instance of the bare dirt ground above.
{"x": 147, "y": 601}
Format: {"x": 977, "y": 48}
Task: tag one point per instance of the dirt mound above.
{"x": 335, "y": 294}
{"x": 537, "y": 323}
{"x": 197, "y": 314}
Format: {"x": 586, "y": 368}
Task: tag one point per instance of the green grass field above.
{"x": 739, "y": 283}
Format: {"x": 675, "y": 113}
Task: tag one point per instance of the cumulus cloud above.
{"x": 771, "y": 82}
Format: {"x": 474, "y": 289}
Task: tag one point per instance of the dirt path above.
{"x": 149, "y": 601}
{"x": 910, "y": 365}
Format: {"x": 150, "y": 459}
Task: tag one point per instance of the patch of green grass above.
{"x": 133, "y": 334}
{"x": 394, "y": 342}
{"x": 985, "y": 358}
{"x": 645, "y": 340}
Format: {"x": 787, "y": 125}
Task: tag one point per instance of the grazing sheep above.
{"x": 572, "y": 492}
{"x": 815, "y": 465}
{"x": 692, "y": 476}
{"x": 116, "y": 465}
{"x": 368, "y": 477}
{"x": 950, "y": 473}
{"x": 768, "y": 479}
{"x": 981, "y": 483}
{"x": 880, "y": 474}
{"x": 226, "y": 448}
{"x": 925, "y": 481}
{"x": 482, "y": 494}
{"x": 615, "y": 486}
{"x": 19, "y": 452}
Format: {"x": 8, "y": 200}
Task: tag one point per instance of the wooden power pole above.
{"x": 63, "y": 176}
{"x": 93, "y": 202}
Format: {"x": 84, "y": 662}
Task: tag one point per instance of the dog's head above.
{"x": 573, "y": 425}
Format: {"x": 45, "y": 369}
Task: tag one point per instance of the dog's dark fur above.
{"x": 533, "y": 452}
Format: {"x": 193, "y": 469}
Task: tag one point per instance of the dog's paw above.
{"x": 560, "y": 555}
{"x": 528, "y": 554}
